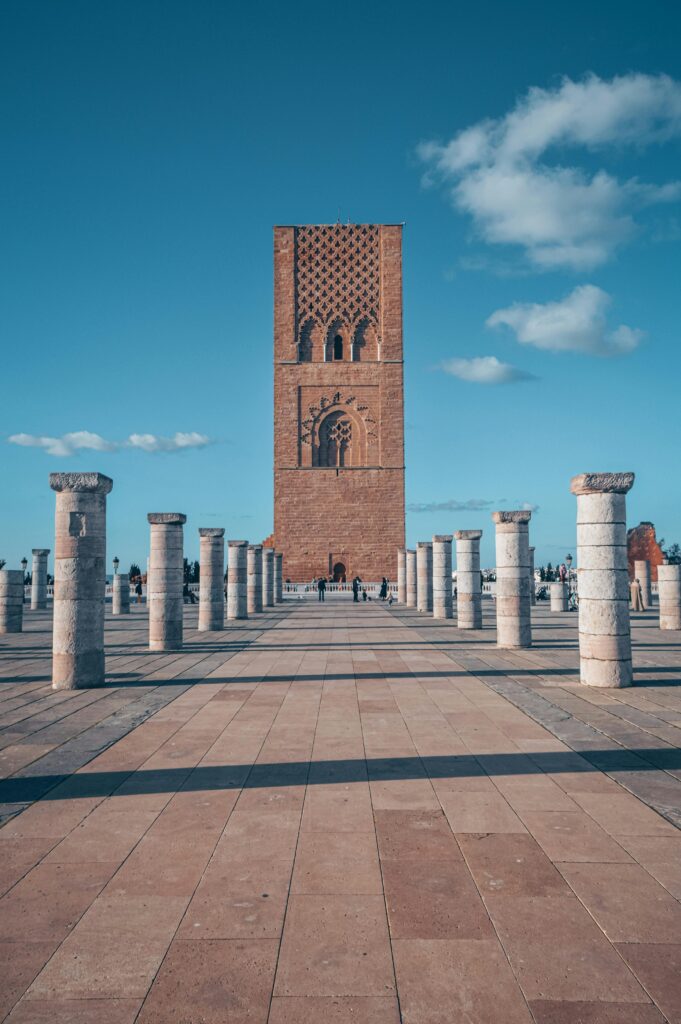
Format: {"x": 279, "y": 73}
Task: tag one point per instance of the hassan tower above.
{"x": 338, "y": 400}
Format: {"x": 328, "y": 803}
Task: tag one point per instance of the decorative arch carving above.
{"x": 334, "y": 351}
{"x": 365, "y": 342}
{"x": 339, "y": 431}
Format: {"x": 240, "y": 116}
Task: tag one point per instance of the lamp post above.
{"x": 116, "y": 563}
{"x": 24, "y": 565}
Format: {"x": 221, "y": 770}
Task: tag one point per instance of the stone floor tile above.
{"x": 17, "y": 857}
{"x": 621, "y": 814}
{"x": 511, "y": 865}
{"x": 334, "y": 1010}
{"x": 20, "y": 962}
{"x": 660, "y": 856}
{"x": 106, "y": 834}
{"x": 337, "y": 807}
{"x": 451, "y": 980}
{"x": 339, "y": 862}
{"x": 658, "y": 968}
{"x": 551, "y": 1011}
{"x": 436, "y": 900}
{"x": 75, "y": 1011}
{"x": 627, "y": 903}
{"x": 213, "y": 981}
{"x": 247, "y": 916}
{"x": 573, "y": 836}
{"x": 558, "y": 952}
{"x": 480, "y": 812}
{"x": 335, "y": 946}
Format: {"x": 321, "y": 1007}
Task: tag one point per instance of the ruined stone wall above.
{"x": 642, "y": 546}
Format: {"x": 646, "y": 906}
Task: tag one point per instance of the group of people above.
{"x": 384, "y": 594}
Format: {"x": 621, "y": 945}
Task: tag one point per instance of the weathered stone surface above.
{"x": 211, "y": 579}
{"x": 642, "y": 574}
{"x": 442, "y": 577}
{"x": 165, "y": 580}
{"x": 642, "y": 544}
{"x": 603, "y": 579}
{"x": 79, "y": 580}
{"x": 39, "y": 578}
{"x": 120, "y": 598}
{"x": 533, "y": 592}
{"x": 424, "y": 576}
{"x": 268, "y": 577}
{"x": 278, "y": 577}
{"x": 94, "y": 483}
{"x": 402, "y": 576}
{"x": 514, "y": 628}
{"x": 411, "y": 578}
{"x": 468, "y": 581}
{"x": 468, "y": 535}
{"x": 254, "y": 584}
{"x": 237, "y": 579}
{"x": 558, "y": 596}
{"x": 169, "y": 518}
{"x": 11, "y": 600}
{"x": 669, "y": 592}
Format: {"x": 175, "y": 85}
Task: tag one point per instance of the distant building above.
{"x": 642, "y": 546}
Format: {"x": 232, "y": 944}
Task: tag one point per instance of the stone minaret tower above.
{"x": 338, "y": 400}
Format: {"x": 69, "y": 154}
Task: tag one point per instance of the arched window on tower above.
{"x": 335, "y": 441}
{"x": 338, "y": 347}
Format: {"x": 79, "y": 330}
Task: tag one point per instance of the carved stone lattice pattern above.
{"x": 335, "y": 441}
{"x": 337, "y": 273}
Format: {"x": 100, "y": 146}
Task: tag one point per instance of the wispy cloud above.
{"x": 485, "y": 370}
{"x": 469, "y": 505}
{"x": 562, "y": 216}
{"x": 81, "y": 440}
{"x": 576, "y": 323}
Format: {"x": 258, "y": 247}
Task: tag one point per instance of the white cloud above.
{"x": 485, "y": 370}
{"x": 452, "y": 505}
{"x": 561, "y": 215}
{"x": 69, "y": 444}
{"x": 576, "y": 323}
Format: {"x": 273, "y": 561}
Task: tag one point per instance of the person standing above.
{"x": 636, "y": 595}
{"x": 321, "y": 587}
{"x": 383, "y": 592}
{"x": 355, "y": 589}
{"x": 138, "y": 590}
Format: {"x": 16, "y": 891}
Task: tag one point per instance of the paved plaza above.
{"x": 336, "y": 813}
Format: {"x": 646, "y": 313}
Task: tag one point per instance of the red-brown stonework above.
{"x": 338, "y": 400}
{"x": 642, "y": 546}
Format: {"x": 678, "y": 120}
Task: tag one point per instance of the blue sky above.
{"x": 147, "y": 150}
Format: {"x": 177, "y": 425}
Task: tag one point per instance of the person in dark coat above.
{"x": 355, "y": 589}
{"x": 321, "y": 587}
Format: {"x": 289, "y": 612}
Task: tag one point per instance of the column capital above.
{"x": 424, "y": 544}
{"x": 468, "y": 534}
{"x": 442, "y": 537}
{"x": 211, "y": 531}
{"x": 166, "y": 518}
{"x": 519, "y": 516}
{"x": 238, "y": 543}
{"x": 255, "y": 547}
{"x": 40, "y": 551}
{"x": 93, "y": 483}
{"x": 602, "y": 483}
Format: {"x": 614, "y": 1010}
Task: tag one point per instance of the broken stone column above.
{"x": 402, "y": 576}
{"x": 514, "y": 627}
{"x": 39, "y": 578}
{"x": 411, "y": 579}
{"x": 468, "y": 582}
{"x": 120, "y": 594}
{"x": 165, "y": 582}
{"x": 254, "y": 585}
{"x": 642, "y": 574}
{"x": 211, "y": 579}
{"x": 79, "y": 579}
{"x": 237, "y": 580}
{"x": 533, "y": 594}
{"x": 669, "y": 594}
{"x": 603, "y": 578}
{"x": 559, "y": 596}
{"x": 442, "y": 577}
{"x": 278, "y": 577}
{"x": 268, "y": 577}
{"x": 424, "y": 576}
{"x": 11, "y": 600}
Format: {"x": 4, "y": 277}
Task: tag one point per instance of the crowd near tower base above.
{"x": 603, "y": 578}
{"x": 468, "y": 581}
{"x": 211, "y": 579}
{"x": 11, "y": 600}
{"x": 120, "y": 594}
{"x": 669, "y": 592}
{"x": 514, "y": 627}
{"x": 165, "y": 580}
{"x": 79, "y": 579}
{"x": 39, "y": 578}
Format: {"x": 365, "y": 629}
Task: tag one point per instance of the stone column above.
{"x": 533, "y": 595}
{"x": 468, "y": 583}
{"x": 424, "y": 576}
{"x": 120, "y": 597}
{"x": 603, "y": 578}
{"x": 669, "y": 593}
{"x": 278, "y": 577}
{"x": 402, "y": 576}
{"x": 11, "y": 600}
{"x": 254, "y": 586}
{"x": 79, "y": 579}
{"x": 211, "y": 579}
{"x": 237, "y": 580}
{"x": 514, "y": 628}
{"x": 558, "y": 594}
{"x": 642, "y": 574}
{"x": 165, "y": 581}
{"x": 268, "y": 577}
{"x": 39, "y": 578}
{"x": 411, "y": 579}
{"x": 442, "y": 577}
